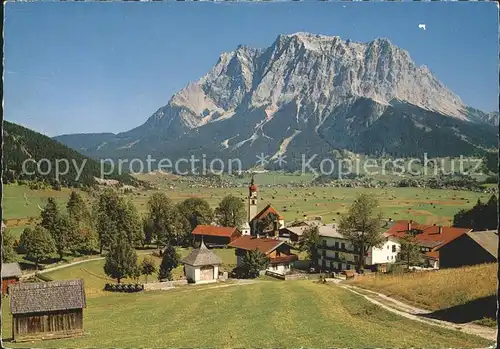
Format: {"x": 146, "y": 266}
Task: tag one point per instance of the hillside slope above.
{"x": 461, "y": 294}
{"x": 21, "y": 144}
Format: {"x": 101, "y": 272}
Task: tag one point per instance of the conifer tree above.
{"x": 170, "y": 261}
{"x": 49, "y": 214}
{"x": 253, "y": 262}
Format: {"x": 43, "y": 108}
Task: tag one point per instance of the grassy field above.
{"x": 424, "y": 205}
{"x": 453, "y": 293}
{"x": 94, "y": 277}
{"x": 265, "y": 314}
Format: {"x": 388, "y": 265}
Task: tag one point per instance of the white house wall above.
{"x": 281, "y": 268}
{"x": 384, "y": 254}
{"x": 191, "y": 272}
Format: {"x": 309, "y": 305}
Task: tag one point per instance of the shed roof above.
{"x": 250, "y": 243}
{"x": 10, "y": 270}
{"x": 486, "y": 239}
{"x": 36, "y": 297}
{"x": 324, "y": 230}
{"x": 201, "y": 256}
{"x": 212, "y": 230}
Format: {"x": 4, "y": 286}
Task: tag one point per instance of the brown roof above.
{"x": 432, "y": 255}
{"x": 201, "y": 256}
{"x": 212, "y": 230}
{"x": 284, "y": 259}
{"x": 35, "y": 297}
{"x": 268, "y": 209}
{"x": 250, "y": 243}
{"x": 10, "y": 270}
{"x": 486, "y": 239}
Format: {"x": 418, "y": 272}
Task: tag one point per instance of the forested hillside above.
{"x": 20, "y": 144}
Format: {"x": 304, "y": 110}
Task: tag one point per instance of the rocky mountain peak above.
{"x": 315, "y": 72}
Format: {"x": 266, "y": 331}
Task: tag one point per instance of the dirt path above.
{"x": 414, "y": 313}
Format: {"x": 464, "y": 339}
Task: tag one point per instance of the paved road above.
{"x": 410, "y": 312}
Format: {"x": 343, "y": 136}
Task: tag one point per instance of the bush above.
{"x": 396, "y": 269}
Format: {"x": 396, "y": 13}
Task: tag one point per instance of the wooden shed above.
{"x": 11, "y": 272}
{"x": 45, "y": 310}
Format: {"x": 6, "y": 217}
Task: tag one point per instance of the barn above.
{"x": 45, "y": 310}
{"x": 11, "y": 272}
{"x": 475, "y": 247}
{"x": 214, "y": 236}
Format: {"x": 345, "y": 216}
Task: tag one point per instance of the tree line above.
{"x": 112, "y": 224}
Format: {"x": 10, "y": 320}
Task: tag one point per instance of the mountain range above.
{"x": 306, "y": 94}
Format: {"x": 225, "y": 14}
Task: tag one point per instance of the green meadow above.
{"x": 264, "y": 314}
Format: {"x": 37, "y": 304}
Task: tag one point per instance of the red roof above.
{"x": 268, "y": 209}
{"x": 250, "y": 243}
{"x": 430, "y": 235}
{"x": 252, "y": 187}
{"x": 212, "y": 230}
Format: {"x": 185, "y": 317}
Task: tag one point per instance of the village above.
{"x": 361, "y": 244}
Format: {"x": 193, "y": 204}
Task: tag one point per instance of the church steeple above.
{"x": 252, "y": 200}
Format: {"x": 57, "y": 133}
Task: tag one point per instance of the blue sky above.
{"x": 73, "y": 67}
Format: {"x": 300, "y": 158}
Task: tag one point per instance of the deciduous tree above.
{"x": 166, "y": 222}
{"x": 121, "y": 260}
{"x": 230, "y": 212}
{"x": 410, "y": 253}
{"x": 148, "y": 267}
{"x": 114, "y": 216}
{"x": 37, "y": 243}
{"x": 8, "y": 252}
{"x": 196, "y": 211}
{"x": 362, "y": 226}
{"x": 309, "y": 242}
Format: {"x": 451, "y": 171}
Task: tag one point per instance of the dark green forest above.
{"x": 483, "y": 216}
{"x": 20, "y": 144}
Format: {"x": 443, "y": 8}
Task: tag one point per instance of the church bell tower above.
{"x": 252, "y": 200}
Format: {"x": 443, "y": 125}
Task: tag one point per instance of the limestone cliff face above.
{"x": 307, "y": 90}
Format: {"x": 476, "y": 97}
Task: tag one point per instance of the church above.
{"x": 264, "y": 223}
{"x": 261, "y": 231}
